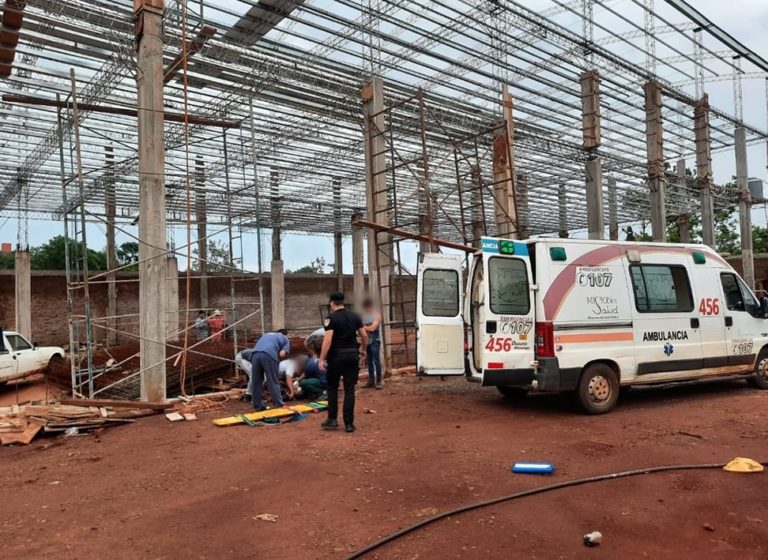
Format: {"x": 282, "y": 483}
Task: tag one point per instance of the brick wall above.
{"x": 304, "y": 294}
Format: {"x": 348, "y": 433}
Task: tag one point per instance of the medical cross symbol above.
{"x": 668, "y": 349}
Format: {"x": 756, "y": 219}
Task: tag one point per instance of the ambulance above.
{"x": 587, "y": 317}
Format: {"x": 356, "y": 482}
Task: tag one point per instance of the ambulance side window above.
{"x": 441, "y": 293}
{"x": 661, "y": 288}
{"x": 508, "y": 286}
{"x": 737, "y": 295}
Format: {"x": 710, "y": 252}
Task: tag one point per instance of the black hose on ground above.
{"x": 578, "y": 482}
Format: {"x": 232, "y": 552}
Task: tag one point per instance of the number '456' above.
{"x": 496, "y": 344}
{"x": 709, "y": 306}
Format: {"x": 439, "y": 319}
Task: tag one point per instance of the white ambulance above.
{"x": 587, "y": 316}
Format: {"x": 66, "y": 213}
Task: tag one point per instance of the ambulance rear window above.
{"x": 508, "y": 286}
{"x": 440, "y": 293}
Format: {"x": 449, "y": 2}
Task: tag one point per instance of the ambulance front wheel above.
{"x": 759, "y": 379}
{"x": 598, "y": 389}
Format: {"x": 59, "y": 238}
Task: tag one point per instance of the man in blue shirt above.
{"x": 265, "y": 362}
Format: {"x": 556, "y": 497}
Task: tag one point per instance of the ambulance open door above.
{"x": 439, "y": 322}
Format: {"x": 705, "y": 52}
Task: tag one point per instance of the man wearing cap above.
{"x": 216, "y": 323}
{"x": 342, "y": 351}
{"x": 265, "y": 362}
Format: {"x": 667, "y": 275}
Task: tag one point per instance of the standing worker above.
{"x": 341, "y": 349}
{"x": 201, "y": 326}
{"x": 217, "y": 325}
{"x": 372, "y": 322}
{"x": 265, "y": 362}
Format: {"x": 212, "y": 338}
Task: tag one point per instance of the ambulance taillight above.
{"x": 545, "y": 340}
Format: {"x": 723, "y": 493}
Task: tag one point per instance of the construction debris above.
{"x": 20, "y": 424}
{"x": 174, "y": 417}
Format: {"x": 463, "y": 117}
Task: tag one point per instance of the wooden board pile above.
{"x": 20, "y": 424}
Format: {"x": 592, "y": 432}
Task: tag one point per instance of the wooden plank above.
{"x": 256, "y": 416}
{"x": 118, "y": 403}
{"x": 24, "y": 438}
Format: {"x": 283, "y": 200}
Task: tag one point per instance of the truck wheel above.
{"x": 598, "y": 389}
{"x": 513, "y": 392}
{"x": 759, "y": 378}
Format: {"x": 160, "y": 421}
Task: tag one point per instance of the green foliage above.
{"x": 317, "y": 266}
{"x": 760, "y": 239}
{"x": 7, "y": 261}
{"x": 218, "y": 257}
{"x": 128, "y": 254}
{"x": 51, "y": 255}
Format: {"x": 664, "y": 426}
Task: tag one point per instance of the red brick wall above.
{"x": 304, "y": 294}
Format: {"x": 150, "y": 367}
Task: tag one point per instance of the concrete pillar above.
{"x": 172, "y": 299}
{"x": 152, "y": 239}
{"x": 277, "y": 276}
{"x": 201, "y": 212}
{"x": 338, "y": 240}
{"x": 358, "y": 271}
{"x": 379, "y": 246}
{"x": 591, "y": 139}
{"x": 476, "y": 202}
{"x": 521, "y": 195}
{"x": 704, "y": 168}
{"x": 562, "y": 210}
{"x": 23, "y": 275}
{"x": 109, "y": 213}
{"x": 657, "y": 181}
{"x": 613, "y": 214}
{"x": 745, "y": 205}
{"x": 595, "y": 222}
{"x": 504, "y": 188}
{"x": 683, "y": 219}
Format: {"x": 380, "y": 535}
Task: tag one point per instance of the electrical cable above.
{"x": 540, "y": 490}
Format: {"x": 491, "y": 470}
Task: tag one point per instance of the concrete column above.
{"x": 358, "y": 272}
{"x": 201, "y": 212}
{"x": 277, "y": 276}
{"x": 504, "y": 188}
{"x": 657, "y": 181}
{"x": 595, "y": 222}
{"x": 476, "y": 212}
{"x": 152, "y": 241}
{"x": 338, "y": 240}
{"x": 109, "y": 213}
{"x": 683, "y": 219}
{"x": 613, "y": 214}
{"x": 562, "y": 210}
{"x": 591, "y": 139}
{"x": 379, "y": 261}
{"x": 172, "y": 299}
{"x": 23, "y": 275}
{"x": 745, "y": 205}
{"x": 521, "y": 195}
{"x": 704, "y": 168}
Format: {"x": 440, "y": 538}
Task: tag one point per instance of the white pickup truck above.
{"x": 20, "y": 358}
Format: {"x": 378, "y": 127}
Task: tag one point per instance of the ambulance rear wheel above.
{"x": 513, "y": 392}
{"x": 759, "y": 379}
{"x": 598, "y": 389}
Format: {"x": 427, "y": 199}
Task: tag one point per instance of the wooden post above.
{"x": 504, "y": 204}
{"x": 23, "y": 302}
{"x": 152, "y": 238}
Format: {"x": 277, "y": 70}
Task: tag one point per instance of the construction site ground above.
{"x": 161, "y": 490}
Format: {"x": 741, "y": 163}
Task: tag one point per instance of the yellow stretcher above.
{"x": 272, "y": 413}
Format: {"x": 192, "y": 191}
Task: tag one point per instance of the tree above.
{"x": 51, "y": 255}
{"x": 317, "y": 266}
{"x": 217, "y": 259}
{"x": 128, "y": 254}
{"x": 7, "y": 261}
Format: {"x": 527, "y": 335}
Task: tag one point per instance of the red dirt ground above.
{"x": 156, "y": 490}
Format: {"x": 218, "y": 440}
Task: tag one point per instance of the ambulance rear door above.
{"x": 439, "y": 322}
{"x": 507, "y": 318}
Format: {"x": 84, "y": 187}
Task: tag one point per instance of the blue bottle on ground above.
{"x": 533, "y": 468}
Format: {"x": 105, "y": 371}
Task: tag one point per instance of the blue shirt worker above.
{"x": 372, "y": 322}
{"x": 342, "y": 351}
{"x": 265, "y": 363}
{"x": 313, "y": 381}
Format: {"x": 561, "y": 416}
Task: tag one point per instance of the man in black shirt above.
{"x": 342, "y": 350}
